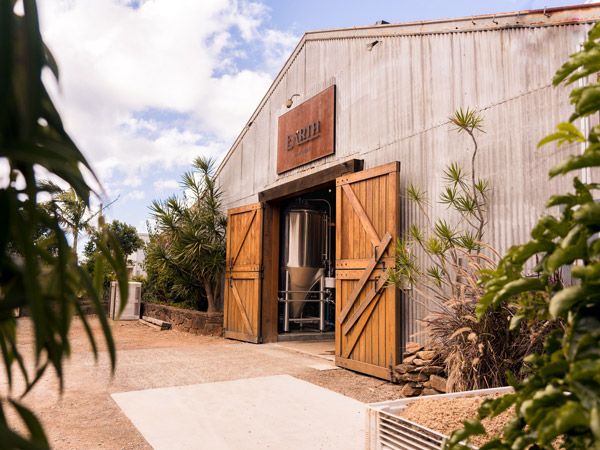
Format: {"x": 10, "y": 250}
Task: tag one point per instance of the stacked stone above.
{"x": 421, "y": 371}
{"x": 195, "y": 322}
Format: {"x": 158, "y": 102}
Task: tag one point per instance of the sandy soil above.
{"x": 86, "y": 417}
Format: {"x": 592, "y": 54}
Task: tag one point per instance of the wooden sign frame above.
{"x": 307, "y": 132}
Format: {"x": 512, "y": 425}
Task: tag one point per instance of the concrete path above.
{"x": 277, "y": 412}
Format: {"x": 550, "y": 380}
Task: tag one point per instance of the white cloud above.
{"x": 135, "y": 195}
{"x": 159, "y": 84}
{"x": 163, "y": 185}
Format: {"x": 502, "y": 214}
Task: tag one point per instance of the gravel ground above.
{"x": 86, "y": 417}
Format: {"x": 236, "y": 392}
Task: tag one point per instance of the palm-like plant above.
{"x": 442, "y": 243}
{"x": 191, "y": 244}
{"x": 71, "y": 211}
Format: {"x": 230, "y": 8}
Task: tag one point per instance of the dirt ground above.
{"x": 86, "y": 417}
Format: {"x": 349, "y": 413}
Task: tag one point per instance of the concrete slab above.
{"x": 277, "y": 412}
{"x": 296, "y": 356}
{"x": 319, "y": 349}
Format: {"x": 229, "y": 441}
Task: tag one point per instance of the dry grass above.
{"x": 479, "y": 353}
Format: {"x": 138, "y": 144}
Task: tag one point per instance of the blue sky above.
{"x": 148, "y": 85}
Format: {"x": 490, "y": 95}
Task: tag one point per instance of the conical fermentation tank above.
{"x": 305, "y": 254}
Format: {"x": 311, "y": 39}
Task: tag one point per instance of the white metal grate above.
{"x": 386, "y": 430}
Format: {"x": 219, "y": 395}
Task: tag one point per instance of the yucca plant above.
{"x": 190, "y": 246}
{"x": 441, "y": 240}
{"x": 477, "y": 353}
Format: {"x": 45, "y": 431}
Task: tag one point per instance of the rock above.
{"x": 427, "y": 354}
{"x": 429, "y": 391}
{"x": 403, "y": 368}
{"x": 198, "y": 322}
{"x": 409, "y": 391}
{"x": 413, "y": 377}
{"x": 421, "y": 362}
{"x": 438, "y": 383}
{"x": 427, "y": 370}
{"x": 409, "y": 360}
{"x": 413, "y": 347}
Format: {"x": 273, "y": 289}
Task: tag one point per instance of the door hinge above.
{"x": 262, "y": 271}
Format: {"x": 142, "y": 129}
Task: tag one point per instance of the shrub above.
{"x": 478, "y": 353}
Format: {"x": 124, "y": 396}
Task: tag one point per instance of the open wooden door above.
{"x": 367, "y": 334}
{"x": 243, "y": 275}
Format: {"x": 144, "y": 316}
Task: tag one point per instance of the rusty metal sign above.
{"x": 307, "y": 132}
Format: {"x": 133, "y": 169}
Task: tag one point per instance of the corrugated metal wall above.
{"x": 393, "y": 103}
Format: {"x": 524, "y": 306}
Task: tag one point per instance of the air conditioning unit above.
{"x": 134, "y": 298}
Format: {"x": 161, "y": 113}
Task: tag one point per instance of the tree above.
{"x": 127, "y": 239}
{"x": 190, "y": 244}
{"x": 72, "y": 211}
{"x": 72, "y": 214}
{"x": 44, "y": 281}
{"x": 126, "y": 235}
{"x": 558, "y": 403}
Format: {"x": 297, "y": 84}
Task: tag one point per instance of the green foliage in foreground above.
{"x": 38, "y": 269}
{"x": 559, "y": 402}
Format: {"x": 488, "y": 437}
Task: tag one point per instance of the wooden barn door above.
{"x": 243, "y": 275}
{"x": 367, "y": 335}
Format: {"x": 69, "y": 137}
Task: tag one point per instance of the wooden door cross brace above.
{"x": 241, "y": 244}
{"x": 362, "y": 215}
{"x": 380, "y": 248}
{"x": 379, "y": 283}
{"x": 240, "y": 305}
{"x": 363, "y": 320}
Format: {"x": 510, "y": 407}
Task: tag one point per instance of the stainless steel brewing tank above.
{"x": 304, "y": 253}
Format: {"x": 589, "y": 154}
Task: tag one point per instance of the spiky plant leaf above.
{"x": 467, "y": 120}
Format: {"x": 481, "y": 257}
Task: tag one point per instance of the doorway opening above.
{"x": 306, "y": 287}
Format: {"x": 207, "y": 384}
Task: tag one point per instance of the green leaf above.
{"x": 33, "y": 425}
{"x": 569, "y": 297}
{"x": 498, "y": 405}
{"x": 588, "y": 214}
{"x": 575, "y": 162}
{"x": 567, "y": 134}
{"x": 413, "y": 193}
{"x": 590, "y": 272}
{"x": 567, "y": 417}
{"x": 467, "y": 120}
{"x": 510, "y": 289}
{"x": 587, "y": 101}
